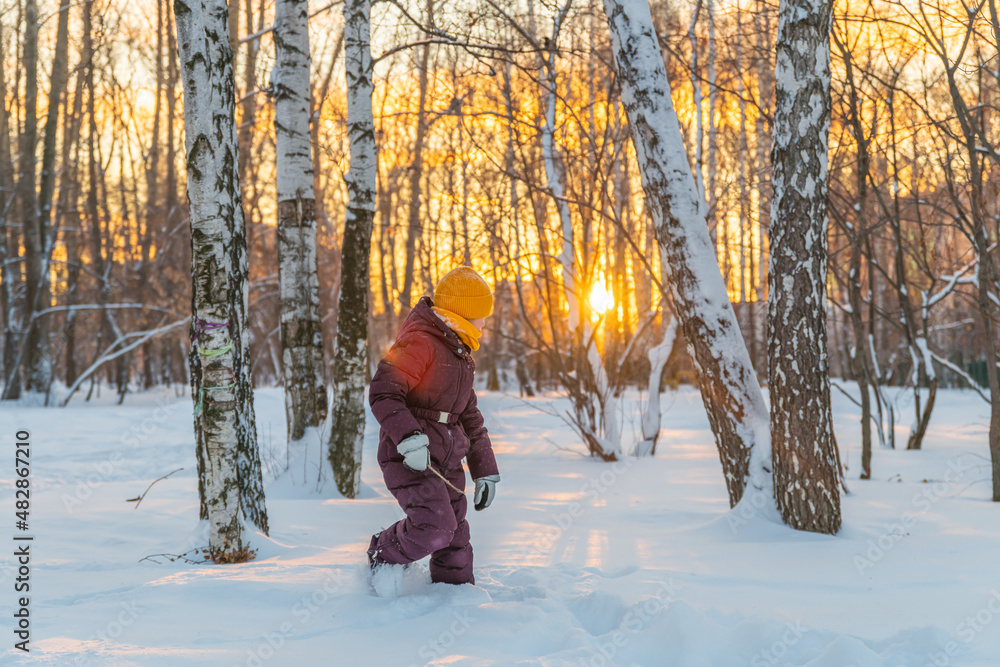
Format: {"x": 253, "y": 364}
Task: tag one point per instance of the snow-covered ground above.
{"x": 577, "y": 562}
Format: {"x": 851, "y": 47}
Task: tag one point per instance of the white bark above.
{"x": 301, "y": 332}
{"x": 658, "y": 356}
{"x": 348, "y": 411}
{"x": 729, "y": 385}
{"x": 229, "y": 464}
{"x": 290, "y": 85}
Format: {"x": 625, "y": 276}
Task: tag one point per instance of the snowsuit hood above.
{"x": 429, "y": 370}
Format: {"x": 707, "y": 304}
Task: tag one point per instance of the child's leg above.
{"x": 453, "y": 563}
{"x": 429, "y": 524}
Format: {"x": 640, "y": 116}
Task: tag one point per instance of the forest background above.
{"x": 95, "y": 223}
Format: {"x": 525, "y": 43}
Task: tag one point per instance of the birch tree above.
{"x": 806, "y": 481}
{"x": 729, "y": 386}
{"x": 301, "y": 333}
{"x": 351, "y": 357}
{"x": 229, "y": 476}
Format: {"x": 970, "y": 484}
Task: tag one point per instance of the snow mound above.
{"x": 393, "y": 581}
{"x": 598, "y": 612}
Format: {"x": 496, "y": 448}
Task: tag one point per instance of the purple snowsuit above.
{"x": 427, "y": 372}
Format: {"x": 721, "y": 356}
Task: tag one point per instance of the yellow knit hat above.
{"x": 465, "y": 293}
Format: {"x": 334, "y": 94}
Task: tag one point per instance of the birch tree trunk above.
{"x": 351, "y": 358}
{"x": 301, "y": 333}
{"x": 229, "y": 474}
{"x": 729, "y": 387}
{"x": 806, "y": 483}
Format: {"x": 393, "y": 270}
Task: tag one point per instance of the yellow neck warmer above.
{"x": 461, "y": 326}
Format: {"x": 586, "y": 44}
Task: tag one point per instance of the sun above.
{"x": 600, "y": 299}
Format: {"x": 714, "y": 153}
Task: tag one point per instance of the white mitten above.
{"x": 414, "y": 451}
{"x": 486, "y": 489}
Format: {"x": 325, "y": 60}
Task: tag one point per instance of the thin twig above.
{"x": 844, "y": 392}
{"x": 108, "y": 355}
{"x": 561, "y": 448}
{"x": 266, "y": 31}
{"x": 173, "y": 557}
{"x": 139, "y": 499}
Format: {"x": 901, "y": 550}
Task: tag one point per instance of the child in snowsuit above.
{"x": 423, "y": 397}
